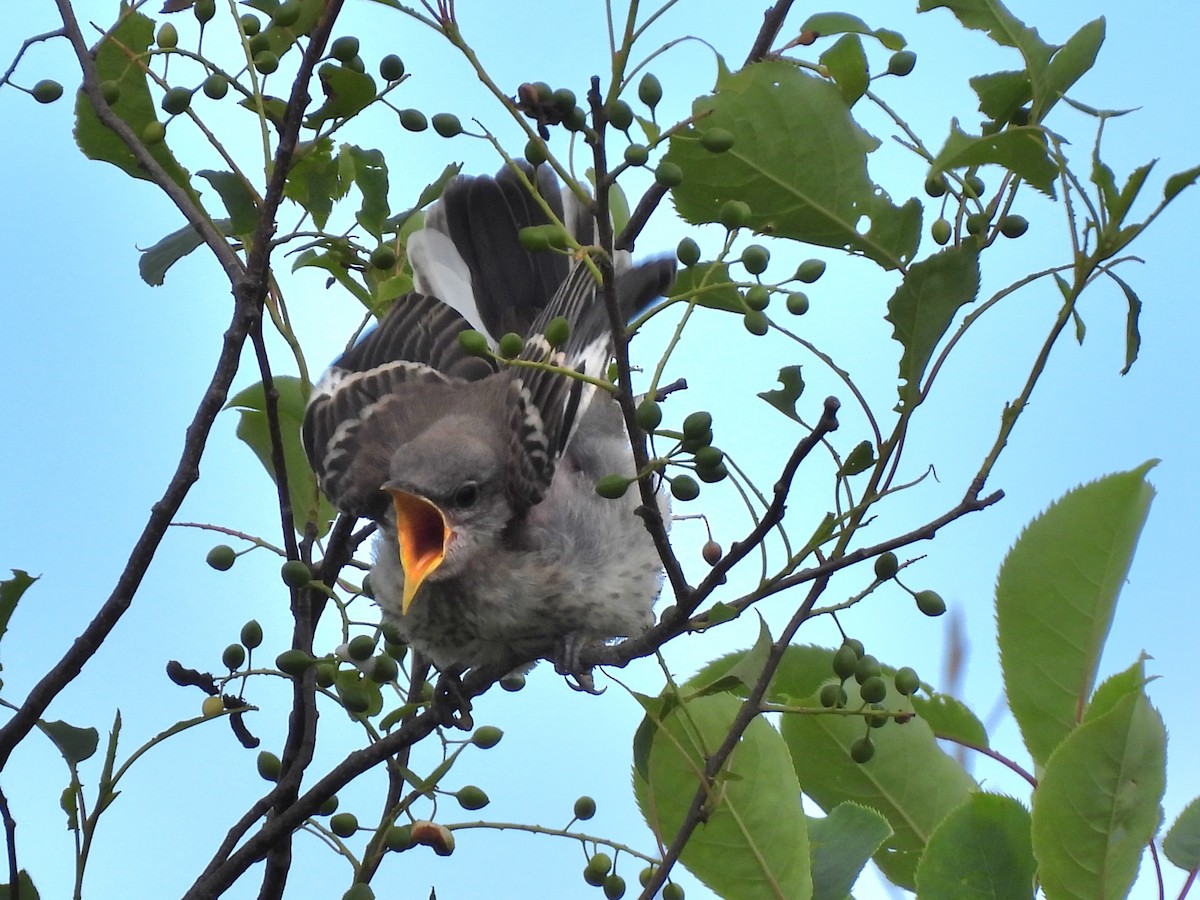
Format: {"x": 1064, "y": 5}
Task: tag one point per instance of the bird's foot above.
{"x": 451, "y": 705}
{"x": 567, "y": 662}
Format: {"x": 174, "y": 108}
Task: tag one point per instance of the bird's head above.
{"x": 448, "y": 496}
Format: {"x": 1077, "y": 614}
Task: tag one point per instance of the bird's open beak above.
{"x": 423, "y": 534}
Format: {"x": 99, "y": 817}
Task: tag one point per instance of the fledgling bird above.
{"x": 493, "y": 547}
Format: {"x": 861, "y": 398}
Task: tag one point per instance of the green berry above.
{"x": 758, "y": 298}
{"x": 648, "y": 414}
{"x": 906, "y": 681}
{"x": 251, "y": 635}
{"x": 391, "y": 68}
{"x": 600, "y": 862}
{"x": 286, "y": 14}
{"x": 684, "y": 487}
{"x": 344, "y": 824}
{"x": 862, "y": 750}
{"x": 866, "y": 668}
{"x": 557, "y": 331}
{"x": 592, "y": 877}
{"x": 857, "y": 646}
{"x": 755, "y": 258}
{"x": 810, "y": 270}
{"x": 697, "y": 424}
{"x": 874, "y": 689}
{"x": 734, "y": 214}
{"x": 344, "y": 48}
{"x": 383, "y": 257}
{"x": 713, "y": 475}
{"x": 886, "y": 566}
{"x": 974, "y": 186}
{"x": 672, "y": 891}
{"x": 611, "y": 487}
{"x": 688, "y": 252}
{"x": 585, "y": 808}
{"x": 399, "y": 838}
{"x": 326, "y": 674}
{"x": 413, "y": 120}
{"x": 215, "y": 86}
{"x": 845, "y": 661}
{"x": 709, "y": 457}
{"x": 473, "y": 342}
{"x": 930, "y": 603}
{"x": 250, "y": 25}
{"x": 976, "y": 223}
{"x": 233, "y": 656}
{"x": 563, "y": 100}
{"x": 513, "y": 682}
{"x": 110, "y": 91}
{"x": 797, "y": 303}
{"x": 712, "y": 552}
{"x": 833, "y": 695}
{"x": 935, "y": 185}
{"x": 266, "y": 62}
{"x": 614, "y": 887}
{"x": 221, "y": 557}
{"x": 510, "y": 345}
{"x": 361, "y": 647}
{"x": 486, "y": 737}
{"x": 168, "y": 36}
{"x": 637, "y": 154}
{"x": 535, "y": 151}
{"x": 383, "y": 669}
{"x": 940, "y": 230}
{"x": 269, "y": 765}
{"x": 295, "y": 573}
{"x": 575, "y": 120}
{"x": 756, "y": 323}
{"x": 717, "y": 140}
{"x": 204, "y": 10}
{"x": 649, "y": 90}
{"x": 328, "y": 806}
{"x": 259, "y": 43}
{"x": 47, "y": 91}
{"x": 1021, "y": 116}
{"x": 901, "y": 62}
{"x": 1013, "y": 226}
{"x": 293, "y": 662}
{"x": 620, "y": 115}
{"x": 446, "y": 124}
{"x": 668, "y": 174}
{"x": 471, "y": 797}
{"x": 645, "y": 875}
{"x": 534, "y": 238}
{"x": 877, "y": 718}
{"x": 212, "y": 706}
{"x": 355, "y": 698}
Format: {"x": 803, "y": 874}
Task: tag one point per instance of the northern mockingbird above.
{"x": 493, "y": 546}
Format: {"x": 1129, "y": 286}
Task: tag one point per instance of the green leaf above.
{"x": 742, "y": 674}
{"x": 1115, "y": 688}
{"x": 1178, "y": 182}
{"x": 131, "y": 37}
{"x": 1182, "y": 843}
{"x": 861, "y": 458}
{"x": 1002, "y": 93}
{"x": 827, "y": 23}
{"x": 273, "y": 108}
{"x": 1070, "y": 63}
{"x": 1133, "y": 336}
{"x": 429, "y": 193}
{"x": 11, "y": 590}
{"x": 308, "y": 504}
{"x": 75, "y": 744}
{"x": 1121, "y": 203}
{"x": 1055, "y": 596}
{"x": 847, "y": 64}
{"x": 753, "y": 842}
{"x": 924, "y": 306}
{"x": 1097, "y": 803}
{"x": 950, "y": 719}
{"x": 347, "y": 93}
{"x": 784, "y": 398}
{"x": 910, "y": 781}
{"x": 155, "y": 261}
{"x": 1022, "y": 150}
{"x": 709, "y": 286}
{"x": 25, "y": 888}
{"x": 799, "y": 161}
{"x": 980, "y": 851}
{"x": 368, "y": 170}
{"x": 239, "y": 200}
{"x": 841, "y": 844}
{"x": 313, "y": 180}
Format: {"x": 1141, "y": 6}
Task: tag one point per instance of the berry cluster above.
{"x": 850, "y": 661}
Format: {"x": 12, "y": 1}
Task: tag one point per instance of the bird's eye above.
{"x": 465, "y": 496}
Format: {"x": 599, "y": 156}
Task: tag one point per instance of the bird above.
{"x": 493, "y": 548}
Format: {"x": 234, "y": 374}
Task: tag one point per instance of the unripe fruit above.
{"x": 976, "y": 223}
{"x": 251, "y": 635}
{"x": 974, "y": 186}
{"x": 269, "y": 765}
{"x": 668, "y": 174}
{"x": 563, "y": 100}
{"x": 717, "y": 140}
{"x": 473, "y": 342}
{"x": 712, "y": 553}
{"x": 558, "y": 330}
{"x": 833, "y": 695}
{"x": 110, "y": 91}
{"x": 413, "y": 120}
{"x": 637, "y": 154}
{"x": 391, "y": 68}
{"x": 940, "y": 230}
{"x": 575, "y": 120}
{"x": 383, "y": 257}
{"x": 325, "y": 675}
{"x": 810, "y": 270}
{"x": 344, "y": 824}
{"x": 293, "y": 662}
{"x": 265, "y": 62}
{"x": 328, "y": 806}
{"x": 212, "y": 706}
{"x": 47, "y": 91}
{"x": 600, "y": 862}
{"x": 713, "y": 475}
{"x": 168, "y": 36}
{"x": 216, "y": 86}
{"x": 361, "y": 647}
{"x": 935, "y": 185}
{"x": 867, "y": 667}
{"x": 355, "y": 699}
{"x": 359, "y": 891}
{"x": 886, "y": 565}
{"x": 295, "y": 573}
{"x": 510, "y": 345}
{"x": 709, "y": 457}
{"x": 534, "y": 238}
{"x": 756, "y": 323}
{"x": 383, "y": 670}
{"x": 734, "y": 214}
{"x": 286, "y": 14}
{"x": 204, "y": 10}
{"x": 585, "y": 808}
{"x": 221, "y": 557}
{"x": 645, "y": 875}
{"x": 176, "y": 100}
{"x": 344, "y": 48}
{"x": 486, "y": 737}
{"x": 1021, "y": 116}
{"x": 688, "y": 252}
{"x": 446, "y": 124}
{"x": 877, "y": 718}
{"x": 906, "y": 681}
{"x": 649, "y": 90}
{"x": 901, "y": 62}
{"x": 399, "y": 838}
{"x": 471, "y": 797}
{"x": 874, "y": 689}
{"x": 862, "y": 750}
{"x": 620, "y": 115}
{"x": 535, "y": 152}
{"x": 250, "y": 25}
{"x": 648, "y": 414}
{"x": 154, "y": 133}
{"x": 259, "y": 43}
{"x": 845, "y": 661}
{"x": 930, "y": 603}
{"x": 614, "y": 887}
{"x": 797, "y": 303}
{"x": 684, "y": 487}
{"x": 592, "y": 877}
{"x": 755, "y": 258}
{"x": 672, "y": 891}
{"x": 1013, "y": 226}
{"x": 233, "y": 656}
{"x": 513, "y": 682}
{"x": 758, "y": 298}
{"x": 696, "y": 425}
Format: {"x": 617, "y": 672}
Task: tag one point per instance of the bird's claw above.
{"x": 567, "y": 663}
{"x": 452, "y": 706}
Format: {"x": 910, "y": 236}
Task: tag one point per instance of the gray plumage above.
{"x": 491, "y": 470}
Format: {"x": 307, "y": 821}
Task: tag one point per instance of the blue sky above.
{"x": 103, "y": 373}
